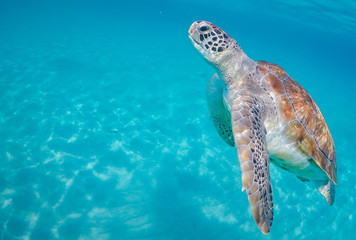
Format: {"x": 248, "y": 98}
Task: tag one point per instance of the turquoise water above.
{"x": 105, "y": 132}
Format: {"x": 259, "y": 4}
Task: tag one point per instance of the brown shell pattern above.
{"x": 307, "y": 125}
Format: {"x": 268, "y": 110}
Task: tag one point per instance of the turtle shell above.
{"x": 306, "y": 125}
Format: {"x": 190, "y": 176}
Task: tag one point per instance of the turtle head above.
{"x": 213, "y": 43}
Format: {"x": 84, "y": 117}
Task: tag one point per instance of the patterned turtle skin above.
{"x": 258, "y": 108}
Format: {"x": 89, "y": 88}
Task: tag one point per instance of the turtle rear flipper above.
{"x": 327, "y": 189}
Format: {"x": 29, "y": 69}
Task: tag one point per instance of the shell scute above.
{"x": 310, "y": 130}
{"x": 308, "y": 113}
{"x": 263, "y": 67}
{"x": 323, "y": 136}
{"x": 280, "y": 73}
{"x": 275, "y": 84}
{"x": 286, "y": 108}
{"x": 308, "y": 146}
{"x": 303, "y": 104}
{"x": 296, "y": 131}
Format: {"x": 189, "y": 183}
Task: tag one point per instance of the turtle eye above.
{"x": 204, "y": 28}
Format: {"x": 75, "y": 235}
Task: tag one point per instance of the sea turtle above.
{"x": 269, "y": 117}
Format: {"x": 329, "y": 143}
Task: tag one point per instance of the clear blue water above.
{"x": 104, "y": 127}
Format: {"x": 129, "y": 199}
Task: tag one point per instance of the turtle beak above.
{"x": 194, "y": 35}
{"x": 193, "y": 28}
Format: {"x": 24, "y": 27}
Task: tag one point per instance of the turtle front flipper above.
{"x": 218, "y": 113}
{"x": 250, "y": 140}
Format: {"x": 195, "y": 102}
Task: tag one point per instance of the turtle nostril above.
{"x": 204, "y": 28}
